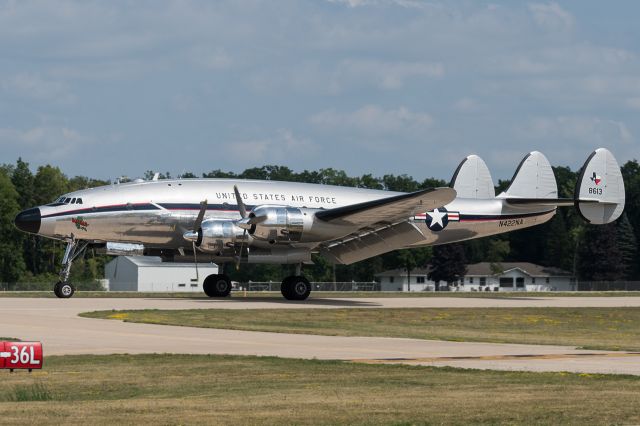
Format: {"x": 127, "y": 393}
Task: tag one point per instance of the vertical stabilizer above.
{"x": 472, "y": 179}
{"x": 533, "y": 178}
{"x": 599, "y": 195}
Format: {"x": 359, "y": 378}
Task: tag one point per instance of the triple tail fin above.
{"x": 533, "y": 179}
{"x": 472, "y": 179}
{"x": 599, "y": 195}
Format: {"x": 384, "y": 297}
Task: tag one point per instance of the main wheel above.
{"x": 217, "y": 285}
{"x": 295, "y": 288}
{"x": 64, "y": 290}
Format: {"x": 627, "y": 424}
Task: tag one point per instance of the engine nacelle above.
{"x": 280, "y": 224}
{"x": 215, "y": 236}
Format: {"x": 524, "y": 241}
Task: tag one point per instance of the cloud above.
{"x": 34, "y": 86}
{"x": 552, "y": 16}
{"x": 46, "y": 143}
{"x": 281, "y": 147}
{"x": 466, "y": 105}
{"x": 591, "y": 131}
{"x": 374, "y": 120}
{"x": 410, "y": 4}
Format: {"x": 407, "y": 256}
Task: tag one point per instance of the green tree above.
{"x": 628, "y": 246}
{"x": 448, "y": 264}
{"x": 599, "y": 254}
{"x": 12, "y": 264}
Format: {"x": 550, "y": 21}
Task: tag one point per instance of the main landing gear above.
{"x": 295, "y": 287}
{"x": 63, "y": 288}
{"x": 217, "y": 285}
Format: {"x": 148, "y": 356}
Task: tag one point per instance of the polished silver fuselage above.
{"x": 156, "y": 214}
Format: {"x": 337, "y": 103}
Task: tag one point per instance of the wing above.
{"x": 367, "y": 244}
{"x": 388, "y": 210}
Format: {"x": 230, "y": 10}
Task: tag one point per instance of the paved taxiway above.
{"x": 56, "y": 324}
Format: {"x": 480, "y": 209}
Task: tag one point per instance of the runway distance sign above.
{"x": 21, "y": 355}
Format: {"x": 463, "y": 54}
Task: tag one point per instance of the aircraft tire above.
{"x": 296, "y": 288}
{"x": 64, "y": 290}
{"x": 217, "y": 285}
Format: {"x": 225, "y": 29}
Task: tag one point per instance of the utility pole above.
{"x": 408, "y": 277}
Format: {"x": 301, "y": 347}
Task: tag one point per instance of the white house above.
{"x": 150, "y": 274}
{"x": 399, "y": 280}
{"x": 484, "y": 276}
{"x": 515, "y": 276}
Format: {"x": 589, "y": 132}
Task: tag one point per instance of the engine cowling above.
{"x": 215, "y": 236}
{"x": 279, "y": 224}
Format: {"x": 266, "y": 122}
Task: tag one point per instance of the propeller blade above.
{"x": 241, "y": 206}
{"x": 200, "y": 218}
{"x": 247, "y": 223}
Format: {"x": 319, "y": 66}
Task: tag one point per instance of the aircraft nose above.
{"x": 29, "y": 220}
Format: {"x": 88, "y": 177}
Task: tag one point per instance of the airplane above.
{"x": 250, "y": 221}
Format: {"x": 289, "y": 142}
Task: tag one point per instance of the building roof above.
{"x": 402, "y": 271}
{"x": 483, "y": 269}
{"x": 531, "y": 269}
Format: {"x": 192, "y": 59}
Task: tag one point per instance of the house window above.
{"x": 470, "y": 280}
{"x": 520, "y": 282}
{"x": 533, "y": 280}
{"x": 506, "y": 282}
{"x": 391, "y": 279}
{"x": 546, "y": 280}
{"x": 483, "y": 280}
{"x": 420, "y": 280}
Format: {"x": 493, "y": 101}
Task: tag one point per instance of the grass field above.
{"x": 188, "y": 389}
{"x": 593, "y": 328}
{"x": 327, "y": 294}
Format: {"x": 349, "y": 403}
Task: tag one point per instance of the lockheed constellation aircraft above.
{"x": 225, "y": 221}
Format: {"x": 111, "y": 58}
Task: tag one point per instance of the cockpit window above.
{"x": 79, "y": 201}
{"x": 67, "y": 200}
{"x": 73, "y": 201}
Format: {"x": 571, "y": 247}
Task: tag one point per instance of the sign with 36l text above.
{"x": 21, "y": 355}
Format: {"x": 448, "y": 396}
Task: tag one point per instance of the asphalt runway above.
{"x": 55, "y": 323}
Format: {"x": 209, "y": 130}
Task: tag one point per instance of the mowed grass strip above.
{"x": 592, "y": 328}
{"x": 201, "y": 389}
{"x": 325, "y": 294}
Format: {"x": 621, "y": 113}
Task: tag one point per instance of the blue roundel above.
{"x": 437, "y": 219}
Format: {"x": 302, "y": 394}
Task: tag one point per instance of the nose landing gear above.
{"x": 64, "y": 289}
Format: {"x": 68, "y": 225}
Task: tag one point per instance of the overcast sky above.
{"x": 115, "y": 88}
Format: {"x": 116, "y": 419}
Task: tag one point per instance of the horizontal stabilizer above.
{"x": 601, "y": 180}
{"x": 473, "y": 180}
{"x": 389, "y": 210}
{"x": 533, "y": 178}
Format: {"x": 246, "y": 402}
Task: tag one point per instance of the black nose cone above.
{"x": 29, "y": 220}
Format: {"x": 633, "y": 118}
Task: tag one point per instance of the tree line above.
{"x": 593, "y": 253}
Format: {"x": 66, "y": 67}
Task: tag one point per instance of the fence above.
{"x": 316, "y": 286}
{"x": 609, "y": 286}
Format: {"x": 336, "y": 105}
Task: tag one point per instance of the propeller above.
{"x": 242, "y": 223}
{"x": 194, "y": 234}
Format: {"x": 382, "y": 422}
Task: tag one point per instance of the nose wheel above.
{"x": 63, "y": 288}
{"x": 295, "y": 287}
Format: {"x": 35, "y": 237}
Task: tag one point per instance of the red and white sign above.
{"x": 25, "y": 355}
